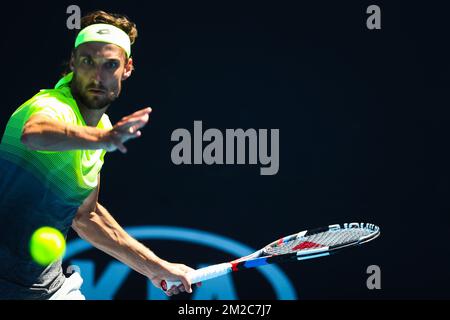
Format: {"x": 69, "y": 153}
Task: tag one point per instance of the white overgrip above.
{"x": 199, "y": 275}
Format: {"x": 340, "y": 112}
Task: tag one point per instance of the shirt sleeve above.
{"x": 52, "y": 108}
{"x": 48, "y": 106}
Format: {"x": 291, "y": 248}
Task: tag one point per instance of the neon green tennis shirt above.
{"x": 72, "y": 174}
{"x": 40, "y": 188}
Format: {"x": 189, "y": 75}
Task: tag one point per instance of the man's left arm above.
{"x": 95, "y": 224}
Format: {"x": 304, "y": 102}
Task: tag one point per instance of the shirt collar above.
{"x": 65, "y": 81}
{"x": 64, "y": 85}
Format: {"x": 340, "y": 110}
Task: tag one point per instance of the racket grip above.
{"x": 199, "y": 275}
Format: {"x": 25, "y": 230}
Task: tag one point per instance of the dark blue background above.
{"x": 362, "y": 117}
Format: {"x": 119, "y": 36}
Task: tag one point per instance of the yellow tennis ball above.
{"x": 47, "y": 245}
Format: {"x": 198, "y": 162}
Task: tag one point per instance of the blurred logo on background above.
{"x": 106, "y": 285}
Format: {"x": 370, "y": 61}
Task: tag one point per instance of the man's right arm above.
{"x": 46, "y": 134}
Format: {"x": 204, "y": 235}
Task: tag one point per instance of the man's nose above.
{"x": 97, "y": 76}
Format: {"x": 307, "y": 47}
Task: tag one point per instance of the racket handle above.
{"x": 199, "y": 275}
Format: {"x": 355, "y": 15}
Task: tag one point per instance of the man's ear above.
{"x": 128, "y": 69}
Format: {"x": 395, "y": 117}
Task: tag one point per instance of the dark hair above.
{"x": 118, "y": 20}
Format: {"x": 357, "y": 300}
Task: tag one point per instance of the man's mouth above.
{"x": 96, "y": 91}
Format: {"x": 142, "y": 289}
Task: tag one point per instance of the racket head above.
{"x": 321, "y": 241}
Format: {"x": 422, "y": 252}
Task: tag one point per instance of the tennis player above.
{"x": 50, "y": 160}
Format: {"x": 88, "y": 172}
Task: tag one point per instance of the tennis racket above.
{"x": 304, "y": 245}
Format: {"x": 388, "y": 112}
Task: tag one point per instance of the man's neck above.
{"x": 91, "y": 116}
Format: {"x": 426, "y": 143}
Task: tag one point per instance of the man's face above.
{"x": 99, "y": 69}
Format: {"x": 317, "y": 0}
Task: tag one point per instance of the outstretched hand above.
{"x": 127, "y": 128}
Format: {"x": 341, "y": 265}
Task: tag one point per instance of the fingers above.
{"x": 133, "y": 130}
{"x": 187, "y": 270}
{"x": 134, "y": 124}
{"x": 117, "y": 142}
{"x": 186, "y": 283}
{"x": 142, "y": 112}
{"x": 128, "y": 129}
{"x": 136, "y": 120}
{"x": 125, "y": 137}
{"x": 175, "y": 290}
{"x": 121, "y": 148}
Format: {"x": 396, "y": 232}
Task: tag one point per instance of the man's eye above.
{"x": 86, "y": 61}
{"x": 112, "y": 65}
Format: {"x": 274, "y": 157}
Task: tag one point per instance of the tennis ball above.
{"x": 47, "y": 245}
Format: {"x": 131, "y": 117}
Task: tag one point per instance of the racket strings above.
{"x": 318, "y": 240}
{"x": 331, "y": 238}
